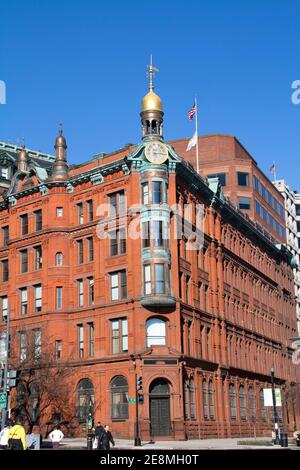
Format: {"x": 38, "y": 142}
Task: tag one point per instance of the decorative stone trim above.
{"x": 70, "y": 188}
{"x": 97, "y": 178}
{"x": 43, "y": 190}
{"x": 12, "y": 200}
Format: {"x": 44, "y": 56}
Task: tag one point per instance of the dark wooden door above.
{"x": 160, "y": 416}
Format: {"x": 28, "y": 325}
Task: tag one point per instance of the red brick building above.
{"x": 202, "y": 327}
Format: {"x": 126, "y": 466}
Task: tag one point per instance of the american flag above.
{"x": 192, "y": 112}
{"x": 273, "y": 169}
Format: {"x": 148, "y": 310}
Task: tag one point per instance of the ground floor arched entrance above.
{"x": 160, "y": 414}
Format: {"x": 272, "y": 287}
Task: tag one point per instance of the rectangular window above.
{"x": 91, "y": 290}
{"x": 158, "y": 232}
{"x": 256, "y": 183}
{"x": 271, "y": 220}
{"x": 157, "y": 192}
{"x": 118, "y": 285}
{"x": 23, "y": 346}
{"x": 146, "y": 234}
{"x": 264, "y": 214}
{"x": 118, "y": 242}
{"x": 59, "y": 299}
{"x": 59, "y": 212}
{"x": 4, "y": 307}
{"x": 58, "y": 349}
{"x": 159, "y": 279}
{"x": 37, "y": 343}
{"x": 91, "y": 248}
{"x": 80, "y": 251}
{"x": 4, "y": 172}
{"x": 297, "y": 209}
{"x": 147, "y": 279}
{"x": 5, "y": 272}
{"x": 145, "y": 193}
{"x": 117, "y": 203}
{"x": 24, "y": 261}
{"x": 281, "y": 211}
{"x": 275, "y": 205}
{"x": 90, "y": 210}
{"x": 38, "y": 298}
{"x": 244, "y": 203}
{"x": 5, "y": 235}
{"x": 119, "y": 336}
{"x": 24, "y": 300}
{"x": 38, "y": 257}
{"x": 243, "y": 178}
{"x": 80, "y": 213}
{"x": 257, "y": 208}
{"x": 298, "y": 226}
{"x": 222, "y": 178}
{"x": 38, "y": 219}
{"x": 24, "y": 224}
{"x": 263, "y": 191}
{"x": 187, "y": 289}
{"x": 80, "y": 341}
{"x": 91, "y": 339}
{"x": 80, "y": 293}
{"x": 270, "y": 198}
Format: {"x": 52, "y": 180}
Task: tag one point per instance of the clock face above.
{"x": 156, "y": 152}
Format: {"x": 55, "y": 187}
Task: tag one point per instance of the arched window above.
{"x": 262, "y": 404}
{"x": 211, "y": 400}
{"x": 204, "y": 398}
{"x": 119, "y": 398}
{"x": 34, "y": 403}
{"x": 192, "y": 399}
{"x": 155, "y": 332}
{"x": 232, "y": 401}
{"x": 186, "y": 399}
{"x": 59, "y": 258}
{"x": 85, "y": 399}
{"x": 242, "y": 402}
{"x": 251, "y": 402}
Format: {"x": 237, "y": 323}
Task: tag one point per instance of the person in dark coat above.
{"x": 99, "y": 430}
{"x": 106, "y": 439}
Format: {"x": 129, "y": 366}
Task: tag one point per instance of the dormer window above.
{"x": 4, "y": 172}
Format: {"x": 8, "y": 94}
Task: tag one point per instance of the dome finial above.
{"x": 151, "y": 101}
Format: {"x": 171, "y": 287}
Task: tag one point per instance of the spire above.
{"x": 60, "y": 166}
{"x": 22, "y": 159}
{"x": 152, "y": 113}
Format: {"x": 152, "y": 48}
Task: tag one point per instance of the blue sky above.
{"x": 83, "y": 63}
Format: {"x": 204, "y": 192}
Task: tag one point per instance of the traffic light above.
{"x": 139, "y": 383}
{"x": 140, "y": 398}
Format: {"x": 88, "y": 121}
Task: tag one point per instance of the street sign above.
{"x": 3, "y": 400}
{"x": 132, "y": 401}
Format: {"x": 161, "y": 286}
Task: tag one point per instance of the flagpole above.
{"x": 197, "y": 149}
{"x": 274, "y": 171}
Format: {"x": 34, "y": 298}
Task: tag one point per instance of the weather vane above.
{"x": 151, "y": 73}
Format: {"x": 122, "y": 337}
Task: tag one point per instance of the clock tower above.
{"x": 152, "y": 113}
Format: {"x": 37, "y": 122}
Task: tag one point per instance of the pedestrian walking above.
{"x": 17, "y": 436}
{"x": 99, "y": 430}
{"x": 4, "y": 435}
{"x": 56, "y": 436}
{"x": 106, "y": 439}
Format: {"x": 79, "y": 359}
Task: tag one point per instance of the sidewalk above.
{"x": 224, "y": 444}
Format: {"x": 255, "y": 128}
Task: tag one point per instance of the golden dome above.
{"x": 151, "y": 102}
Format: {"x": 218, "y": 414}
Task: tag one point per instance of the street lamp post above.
{"x": 5, "y": 376}
{"x": 137, "y": 439}
{"x": 276, "y": 421}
